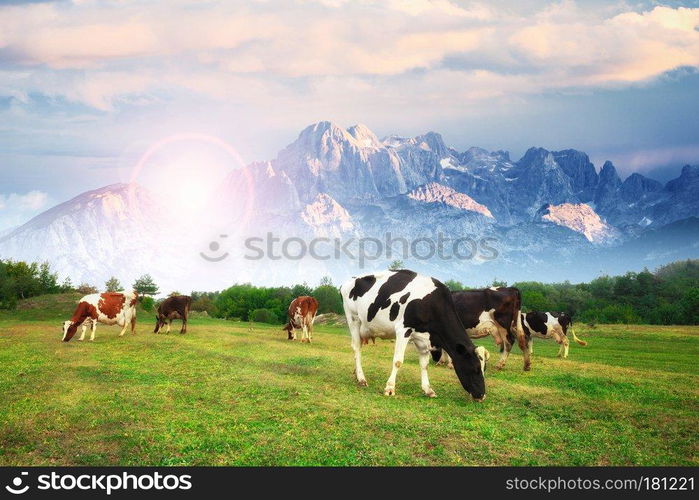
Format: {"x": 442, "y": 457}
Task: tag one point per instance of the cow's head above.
{"x": 159, "y": 322}
{"x": 68, "y": 330}
{"x": 468, "y": 368}
{"x": 483, "y": 355}
{"x": 565, "y": 321}
{"x": 289, "y": 329}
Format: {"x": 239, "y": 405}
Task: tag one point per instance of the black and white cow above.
{"x": 407, "y": 306}
{"x": 547, "y": 325}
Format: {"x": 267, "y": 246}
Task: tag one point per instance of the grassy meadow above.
{"x": 230, "y": 393}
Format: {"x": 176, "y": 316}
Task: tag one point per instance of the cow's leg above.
{"x": 354, "y": 327}
{"x": 309, "y": 319}
{"x": 423, "y": 348}
{"x": 169, "y": 325}
{"x": 93, "y": 330}
{"x": 398, "y": 357}
{"x": 84, "y": 327}
{"x": 526, "y": 354}
{"x": 563, "y": 350}
{"x": 445, "y": 360}
{"x": 505, "y": 349}
{"x": 123, "y": 328}
{"x": 304, "y": 328}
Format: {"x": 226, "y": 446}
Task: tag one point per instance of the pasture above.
{"x": 230, "y": 393}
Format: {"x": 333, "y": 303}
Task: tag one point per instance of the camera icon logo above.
{"x": 16, "y": 487}
{"x": 215, "y": 246}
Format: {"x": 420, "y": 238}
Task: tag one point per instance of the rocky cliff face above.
{"x": 549, "y": 209}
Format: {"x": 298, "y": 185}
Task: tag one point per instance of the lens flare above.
{"x": 187, "y": 170}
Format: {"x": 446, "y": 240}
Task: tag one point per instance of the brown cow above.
{"x": 176, "y": 307}
{"x": 108, "y": 308}
{"x": 302, "y": 313}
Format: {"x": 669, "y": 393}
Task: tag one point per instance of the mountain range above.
{"x": 548, "y": 216}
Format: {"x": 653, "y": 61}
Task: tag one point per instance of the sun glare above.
{"x": 186, "y": 171}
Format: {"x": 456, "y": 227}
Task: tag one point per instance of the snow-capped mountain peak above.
{"x": 580, "y": 218}
{"x": 438, "y": 193}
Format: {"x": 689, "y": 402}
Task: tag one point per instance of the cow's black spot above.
{"x": 408, "y": 332}
{"x": 537, "y": 322}
{"x": 404, "y": 298}
{"x": 393, "y": 314}
{"x": 361, "y": 286}
{"x": 394, "y": 284}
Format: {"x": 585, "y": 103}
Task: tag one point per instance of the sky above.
{"x": 88, "y": 86}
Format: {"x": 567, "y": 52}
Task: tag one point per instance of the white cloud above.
{"x": 272, "y": 52}
{"x": 16, "y": 208}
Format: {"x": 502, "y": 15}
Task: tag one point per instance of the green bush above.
{"x": 329, "y": 299}
{"x": 263, "y": 316}
{"x": 147, "y": 304}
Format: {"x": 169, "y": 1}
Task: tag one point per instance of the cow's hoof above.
{"x": 431, "y": 394}
{"x": 499, "y": 366}
{"x": 389, "y": 391}
{"x": 527, "y": 367}
{"x": 362, "y": 383}
{"x": 80, "y": 340}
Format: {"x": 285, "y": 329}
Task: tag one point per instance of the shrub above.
{"x": 263, "y": 316}
{"x": 147, "y": 304}
{"x": 329, "y": 299}
{"x": 86, "y": 289}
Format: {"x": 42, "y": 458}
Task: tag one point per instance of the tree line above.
{"x": 20, "y": 280}
{"x": 668, "y": 295}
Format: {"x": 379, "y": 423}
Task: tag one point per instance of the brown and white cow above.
{"x": 175, "y": 307}
{"x": 547, "y": 325}
{"x": 491, "y": 311}
{"x": 109, "y": 308}
{"x": 301, "y": 313}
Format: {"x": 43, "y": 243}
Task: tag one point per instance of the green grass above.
{"x": 230, "y": 394}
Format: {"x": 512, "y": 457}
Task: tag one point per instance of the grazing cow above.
{"x": 492, "y": 311}
{"x": 109, "y": 308}
{"x": 548, "y": 325}
{"x": 407, "y": 306}
{"x": 176, "y": 307}
{"x": 302, "y": 313}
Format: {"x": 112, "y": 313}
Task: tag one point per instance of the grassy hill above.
{"x": 241, "y": 394}
{"x": 44, "y": 307}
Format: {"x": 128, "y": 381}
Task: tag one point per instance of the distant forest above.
{"x": 669, "y": 295}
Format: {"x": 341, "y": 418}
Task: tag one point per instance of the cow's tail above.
{"x": 517, "y": 323}
{"x": 575, "y": 338}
